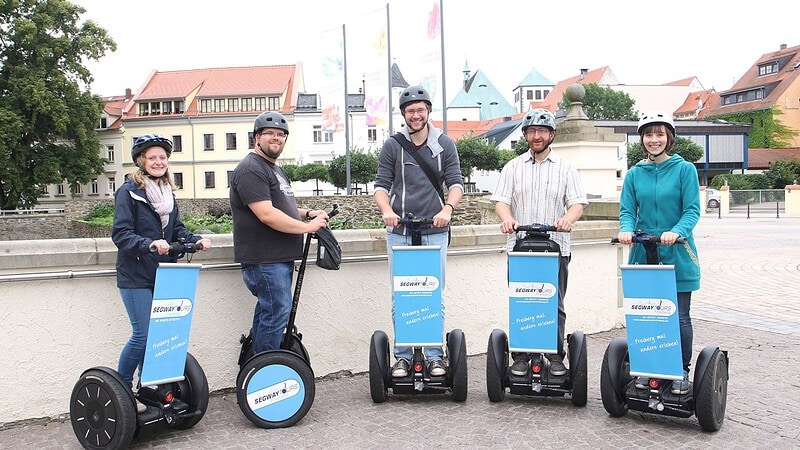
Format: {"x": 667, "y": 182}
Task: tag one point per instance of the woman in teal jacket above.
{"x": 660, "y": 195}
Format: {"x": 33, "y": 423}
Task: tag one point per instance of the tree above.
{"x": 313, "y": 171}
{"x": 291, "y": 171}
{"x": 605, "y": 103}
{"x": 686, "y": 148}
{"x": 363, "y": 168}
{"x": 475, "y": 153}
{"x": 47, "y": 116}
{"x": 782, "y": 173}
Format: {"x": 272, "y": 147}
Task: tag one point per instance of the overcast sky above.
{"x": 643, "y": 42}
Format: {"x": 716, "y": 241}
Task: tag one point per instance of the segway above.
{"x": 173, "y": 386}
{"x": 418, "y": 323}
{"x": 275, "y": 388}
{"x": 533, "y": 326}
{"x": 653, "y": 349}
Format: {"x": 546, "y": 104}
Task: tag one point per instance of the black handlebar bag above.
{"x": 329, "y": 254}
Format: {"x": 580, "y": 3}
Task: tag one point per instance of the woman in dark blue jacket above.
{"x": 146, "y": 221}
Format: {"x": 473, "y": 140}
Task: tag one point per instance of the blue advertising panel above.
{"x": 533, "y": 302}
{"x": 416, "y": 275}
{"x": 170, "y": 323}
{"x": 650, "y": 300}
{"x": 276, "y": 392}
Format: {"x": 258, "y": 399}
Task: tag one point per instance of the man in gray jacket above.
{"x": 402, "y": 186}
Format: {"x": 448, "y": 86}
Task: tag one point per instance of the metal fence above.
{"x": 761, "y": 202}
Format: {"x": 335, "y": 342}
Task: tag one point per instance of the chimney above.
{"x": 128, "y": 94}
{"x": 783, "y": 46}
{"x": 583, "y": 73}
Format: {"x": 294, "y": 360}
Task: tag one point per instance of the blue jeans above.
{"x": 272, "y": 286}
{"x": 137, "y": 302}
{"x": 440, "y": 239}
{"x": 687, "y": 332}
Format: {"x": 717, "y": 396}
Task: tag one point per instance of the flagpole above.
{"x": 444, "y": 85}
{"x": 346, "y": 112}
{"x": 389, "y": 66}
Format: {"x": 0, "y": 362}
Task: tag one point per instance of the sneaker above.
{"x": 520, "y": 367}
{"x": 682, "y": 386}
{"x": 140, "y": 407}
{"x": 557, "y": 367}
{"x": 437, "y": 368}
{"x": 400, "y": 368}
{"x": 642, "y": 383}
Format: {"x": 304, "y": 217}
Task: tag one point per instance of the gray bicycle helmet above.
{"x": 271, "y": 119}
{"x": 656, "y": 117}
{"x": 540, "y": 118}
{"x": 414, "y": 94}
{"x": 142, "y": 143}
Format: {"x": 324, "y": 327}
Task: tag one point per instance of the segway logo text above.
{"x": 273, "y": 394}
{"x": 649, "y": 307}
{"x": 172, "y": 307}
{"x": 415, "y": 283}
{"x": 528, "y": 289}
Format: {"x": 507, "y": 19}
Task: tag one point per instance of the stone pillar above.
{"x": 792, "y": 205}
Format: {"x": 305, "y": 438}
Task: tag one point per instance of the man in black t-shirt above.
{"x": 268, "y": 229}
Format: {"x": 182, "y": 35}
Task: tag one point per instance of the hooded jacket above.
{"x": 657, "y": 198}
{"x": 136, "y": 226}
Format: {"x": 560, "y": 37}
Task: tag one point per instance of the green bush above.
{"x": 222, "y": 224}
{"x": 101, "y": 214}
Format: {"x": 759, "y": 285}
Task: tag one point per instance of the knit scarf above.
{"x": 160, "y": 196}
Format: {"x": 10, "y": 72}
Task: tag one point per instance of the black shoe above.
{"x": 437, "y": 368}
{"x": 520, "y": 367}
{"x": 680, "y": 387}
{"x": 557, "y": 367}
{"x": 642, "y": 383}
{"x": 400, "y": 368}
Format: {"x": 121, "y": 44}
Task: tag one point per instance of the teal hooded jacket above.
{"x": 657, "y": 198}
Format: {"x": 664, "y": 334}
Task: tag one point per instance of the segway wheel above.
{"x": 275, "y": 389}
{"x": 578, "y": 367}
{"x": 378, "y": 366}
{"x": 457, "y": 356}
{"x": 496, "y": 365}
{"x": 102, "y": 411}
{"x": 614, "y": 377}
{"x": 711, "y": 395}
{"x": 194, "y": 391}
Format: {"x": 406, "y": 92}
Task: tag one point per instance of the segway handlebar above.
{"x": 334, "y": 211}
{"x": 647, "y": 238}
{"x": 178, "y": 249}
{"x": 536, "y": 227}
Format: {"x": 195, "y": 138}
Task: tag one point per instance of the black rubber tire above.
{"x": 613, "y": 380}
{"x": 495, "y": 387}
{"x": 266, "y": 361}
{"x": 102, "y": 411}
{"x": 457, "y": 357}
{"x": 194, "y": 391}
{"x": 378, "y": 366}
{"x": 711, "y": 396}
{"x": 713, "y": 204}
{"x": 579, "y": 371}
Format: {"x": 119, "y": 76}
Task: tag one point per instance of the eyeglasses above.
{"x": 418, "y": 111}
{"x": 273, "y": 134}
{"x": 538, "y": 130}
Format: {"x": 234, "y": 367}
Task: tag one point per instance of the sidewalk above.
{"x": 747, "y": 305}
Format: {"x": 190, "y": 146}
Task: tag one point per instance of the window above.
{"x": 251, "y": 140}
{"x": 327, "y": 135}
{"x": 94, "y": 187}
{"x": 768, "y": 69}
{"x": 530, "y": 95}
{"x": 230, "y": 141}
{"x": 112, "y": 185}
{"x": 177, "y": 143}
{"x": 177, "y": 178}
{"x": 78, "y": 189}
{"x": 261, "y": 103}
{"x": 46, "y": 190}
{"x": 538, "y": 94}
{"x": 60, "y": 189}
{"x": 372, "y": 134}
{"x": 208, "y": 142}
{"x": 219, "y": 105}
{"x": 205, "y": 106}
{"x": 155, "y": 108}
{"x": 210, "y": 183}
{"x": 143, "y": 110}
{"x": 103, "y": 122}
{"x": 247, "y": 104}
{"x": 178, "y": 106}
{"x": 110, "y": 153}
{"x": 166, "y": 107}
{"x": 545, "y": 93}
{"x": 274, "y": 103}
{"x": 233, "y": 104}
{"x": 228, "y": 181}
{"x": 321, "y": 135}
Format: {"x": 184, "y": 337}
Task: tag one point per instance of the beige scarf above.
{"x": 160, "y": 196}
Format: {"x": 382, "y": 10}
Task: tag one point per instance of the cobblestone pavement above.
{"x": 748, "y": 305}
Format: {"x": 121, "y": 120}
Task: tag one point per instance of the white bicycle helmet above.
{"x": 656, "y": 117}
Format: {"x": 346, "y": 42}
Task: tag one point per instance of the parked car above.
{"x": 713, "y": 197}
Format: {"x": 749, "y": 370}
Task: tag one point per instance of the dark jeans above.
{"x": 687, "y": 332}
{"x": 563, "y": 275}
{"x": 272, "y": 285}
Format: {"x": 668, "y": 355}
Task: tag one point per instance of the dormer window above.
{"x": 768, "y": 68}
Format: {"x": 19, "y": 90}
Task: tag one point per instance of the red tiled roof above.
{"x": 682, "y": 82}
{"x": 218, "y": 82}
{"x": 693, "y": 101}
{"x": 603, "y": 75}
{"x": 761, "y": 158}
{"x": 776, "y": 84}
{"x": 459, "y": 129}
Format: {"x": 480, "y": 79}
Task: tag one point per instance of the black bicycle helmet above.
{"x": 271, "y": 119}
{"x": 142, "y": 143}
{"x": 414, "y": 94}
